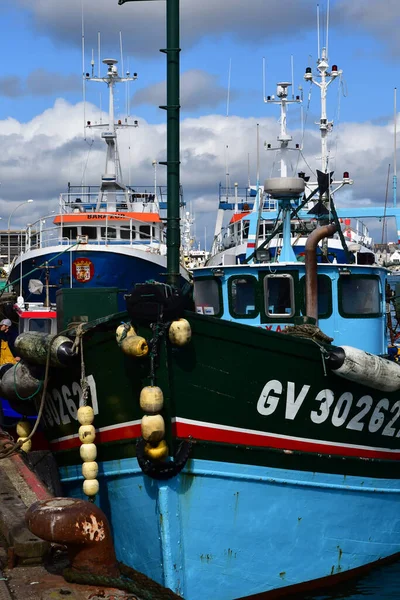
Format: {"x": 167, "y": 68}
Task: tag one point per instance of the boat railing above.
{"x": 130, "y": 198}
{"x": 40, "y": 235}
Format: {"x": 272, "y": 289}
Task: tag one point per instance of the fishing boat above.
{"x": 107, "y": 235}
{"x": 254, "y": 211}
{"x": 244, "y": 444}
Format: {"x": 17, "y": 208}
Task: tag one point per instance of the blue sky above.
{"x": 41, "y": 116}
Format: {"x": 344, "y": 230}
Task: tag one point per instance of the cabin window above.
{"x": 359, "y": 296}
{"x": 70, "y": 232}
{"x": 279, "y": 295}
{"x": 145, "y": 231}
{"x": 207, "y": 296}
{"x": 109, "y": 232}
{"x": 41, "y": 325}
{"x": 242, "y": 297}
{"x": 125, "y": 233}
{"x": 91, "y": 232}
{"x": 245, "y": 229}
{"x": 324, "y": 296}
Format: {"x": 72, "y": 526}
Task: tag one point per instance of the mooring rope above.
{"x": 131, "y": 581}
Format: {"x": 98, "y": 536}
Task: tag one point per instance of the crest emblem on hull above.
{"x": 82, "y": 270}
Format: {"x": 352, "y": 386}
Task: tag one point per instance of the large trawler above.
{"x": 109, "y": 235}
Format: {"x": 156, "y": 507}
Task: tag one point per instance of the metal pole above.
{"x": 173, "y": 143}
{"x": 173, "y": 146}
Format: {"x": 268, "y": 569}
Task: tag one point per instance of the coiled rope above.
{"x": 131, "y": 581}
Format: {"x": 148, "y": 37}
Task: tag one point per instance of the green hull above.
{"x": 242, "y": 394}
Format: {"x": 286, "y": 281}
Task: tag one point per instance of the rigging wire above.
{"x": 304, "y": 128}
{"x": 384, "y": 212}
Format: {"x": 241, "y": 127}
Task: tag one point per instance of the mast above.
{"x": 326, "y": 77}
{"x": 111, "y": 180}
{"x": 284, "y": 137}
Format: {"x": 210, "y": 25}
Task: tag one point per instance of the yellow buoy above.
{"x": 123, "y": 332}
{"x": 90, "y": 469}
{"x": 90, "y": 487}
{"x": 159, "y": 452}
{"x": 23, "y": 428}
{"x": 26, "y": 446}
{"x": 135, "y": 345}
{"x": 87, "y": 434}
{"x": 180, "y": 332}
{"x": 88, "y": 452}
{"x": 151, "y": 399}
{"x": 85, "y": 415}
{"x": 153, "y": 428}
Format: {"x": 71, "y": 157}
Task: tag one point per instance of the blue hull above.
{"x": 111, "y": 269}
{"x": 226, "y": 531}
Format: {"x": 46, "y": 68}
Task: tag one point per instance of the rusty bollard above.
{"x": 80, "y": 526}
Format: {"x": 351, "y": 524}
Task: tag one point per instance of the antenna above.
{"x": 122, "y": 55}
{"x": 292, "y": 68}
{"x": 92, "y": 62}
{"x": 258, "y": 156}
{"x": 229, "y": 87}
{"x": 395, "y": 151}
{"x": 327, "y": 27}
{"x": 83, "y": 75}
{"x": 226, "y": 172}
{"x": 264, "y": 96}
{"x": 318, "y": 56}
{"x": 99, "y": 54}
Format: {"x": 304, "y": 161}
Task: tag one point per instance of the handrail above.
{"x": 38, "y": 236}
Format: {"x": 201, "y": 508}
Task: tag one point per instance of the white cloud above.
{"x": 39, "y": 157}
{"x": 143, "y": 23}
{"x": 198, "y": 89}
{"x": 39, "y": 83}
{"x": 381, "y": 19}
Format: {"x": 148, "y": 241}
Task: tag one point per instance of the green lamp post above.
{"x": 173, "y": 115}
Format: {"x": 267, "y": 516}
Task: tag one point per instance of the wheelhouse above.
{"x": 351, "y": 299}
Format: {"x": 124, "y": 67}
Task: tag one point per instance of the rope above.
{"x": 309, "y": 331}
{"x": 6, "y": 452}
{"x": 131, "y": 581}
{"x": 15, "y": 386}
{"x": 158, "y": 329}
{"x": 8, "y": 284}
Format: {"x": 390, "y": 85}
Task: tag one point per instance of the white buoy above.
{"x": 151, "y": 399}
{"x": 180, "y": 332}
{"x": 364, "y": 368}
{"x": 88, "y": 452}
{"x": 26, "y": 446}
{"x": 85, "y": 415}
{"x": 87, "y": 434}
{"x": 23, "y": 428}
{"x": 90, "y": 469}
{"x": 153, "y": 428}
{"x": 90, "y": 487}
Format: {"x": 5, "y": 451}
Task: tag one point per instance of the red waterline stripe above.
{"x": 125, "y": 432}
{"x": 234, "y": 437}
{"x": 210, "y": 434}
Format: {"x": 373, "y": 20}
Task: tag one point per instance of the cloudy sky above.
{"x": 41, "y": 110}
